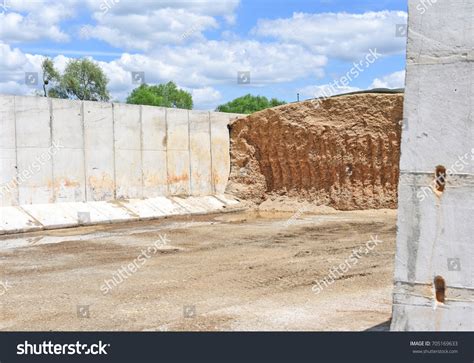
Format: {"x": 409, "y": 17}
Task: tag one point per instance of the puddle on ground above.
{"x": 8, "y": 242}
{"x": 277, "y": 220}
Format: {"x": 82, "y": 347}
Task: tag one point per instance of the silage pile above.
{"x": 341, "y": 152}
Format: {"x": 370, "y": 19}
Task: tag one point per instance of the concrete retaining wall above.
{"x": 63, "y": 151}
{"x": 434, "y": 287}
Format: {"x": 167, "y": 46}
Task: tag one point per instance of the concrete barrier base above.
{"x": 34, "y": 217}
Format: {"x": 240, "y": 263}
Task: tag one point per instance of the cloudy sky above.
{"x": 288, "y": 47}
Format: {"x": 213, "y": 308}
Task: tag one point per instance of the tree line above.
{"x": 83, "y": 79}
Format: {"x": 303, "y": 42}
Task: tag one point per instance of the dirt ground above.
{"x": 234, "y": 271}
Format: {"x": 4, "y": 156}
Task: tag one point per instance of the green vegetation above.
{"x": 248, "y": 104}
{"x": 165, "y": 95}
{"x": 82, "y": 79}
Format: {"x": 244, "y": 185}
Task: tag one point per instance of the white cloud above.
{"x": 197, "y": 67}
{"x": 10, "y": 59}
{"x": 125, "y": 25}
{"x": 393, "y": 80}
{"x": 205, "y": 98}
{"x": 171, "y": 34}
{"x": 14, "y": 88}
{"x": 121, "y": 7}
{"x": 13, "y": 65}
{"x": 34, "y": 20}
{"x": 216, "y": 62}
{"x": 341, "y": 35}
{"x": 164, "y": 26}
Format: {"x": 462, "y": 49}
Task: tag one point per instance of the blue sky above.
{"x": 289, "y": 47}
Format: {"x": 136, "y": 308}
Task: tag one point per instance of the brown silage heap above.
{"x": 342, "y": 152}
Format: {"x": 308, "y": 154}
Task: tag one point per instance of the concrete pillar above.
{"x": 434, "y": 287}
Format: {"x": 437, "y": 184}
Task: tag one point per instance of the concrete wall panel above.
{"x": 72, "y": 151}
{"x": 68, "y": 160}
{"x": 34, "y": 152}
{"x": 447, "y": 29}
{"x": 154, "y": 151}
{"x": 219, "y": 142}
{"x": 434, "y": 238}
{"x": 99, "y": 151}
{"x": 8, "y": 172}
{"x": 200, "y": 153}
{"x": 425, "y": 101}
{"x": 128, "y": 159}
{"x": 178, "y": 151}
{"x": 424, "y": 251}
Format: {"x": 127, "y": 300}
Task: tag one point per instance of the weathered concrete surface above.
{"x": 200, "y": 153}
{"x": 33, "y": 142}
{"x": 33, "y": 217}
{"x": 104, "y": 162}
{"x": 64, "y": 151}
{"x": 51, "y": 215}
{"x": 68, "y": 164}
{"x": 8, "y": 185}
{"x": 154, "y": 151}
{"x": 178, "y": 152}
{"x": 434, "y": 239}
{"x": 99, "y": 151}
{"x": 15, "y": 220}
{"x": 128, "y": 156}
{"x": 220, "y": 141}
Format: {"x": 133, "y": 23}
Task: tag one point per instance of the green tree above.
{"x": 249, "y": 104}
{"x": 165, "y": 95}
{"x": 82, "y": 79}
